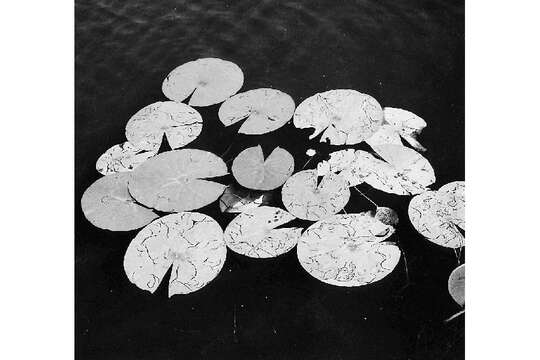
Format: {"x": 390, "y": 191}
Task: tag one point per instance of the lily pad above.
{"x": 179, "y": 122}
{"x": 436, "y": 215}
{"x": 348, "y": 250}
{"x": 107, "y": 204}
{"x": 306, "y": 200}
{"x": 346, "y": 116}
{"x": 386, "y": 134}
{"x": 122, "y": 157}
{"x": 174, "y": 181}
{"x": 190, "y": 242}
{"x": 254, "y": 234}
{"x": 209, "y": 81}
{"x": 237, "y": 200}
{"x": 252, "y": 171}
{"x": 456, "y": 285}
{"x": 265, "y": 110}
{"x": 407, "y": 124}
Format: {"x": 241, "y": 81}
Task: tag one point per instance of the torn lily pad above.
{"x": 346, "y": 116}
{"x": 264, "y": 110}
{"x": 190, "y": 242}
{"x": 209, "y": 81}
{"x": 107, "y": 204}
{"x": 438, "y": 214}
{"x": 306, "y": 199}
{"x": 348, "y": 250}
{"x": 407, "y": 124}
{"x": 401, "y": 170}
{"x": 175, "y": 181}
{"x": 252, "y": 171}
{"x": 254, "y": 234}
{"x": 237, "y": 200}
{"x": 456, "y": 285}
{"x": 122, "y": 157}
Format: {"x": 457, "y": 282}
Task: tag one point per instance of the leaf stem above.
{"x": 364, "y": 195}
{"x": 455, "y": 315}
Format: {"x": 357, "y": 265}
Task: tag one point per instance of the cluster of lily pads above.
{"x": 343, "y": 249}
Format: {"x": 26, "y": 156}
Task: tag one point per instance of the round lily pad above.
{"x": 179, "y": 122}
{"x": 456, "y": 285}
{"x": 107, "y": 204}
{"x": 254, "y": 234}
{"x": 251, "y": 170}
{"x": 174, "y": 181}
{"x": 122, "y": 157}
{"x": 348, "y": 250}
{"x": 307, "y": 200}
{"x": 346, "y": 116}
{"x": 209, "y": 81}
{"x": 265, "y": 110}
{"x": 190, "y": 242}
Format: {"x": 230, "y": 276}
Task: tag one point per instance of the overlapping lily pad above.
{"x": 252, "y": 171}
{"x": 107, "y": 204}
{"x": 307, "y": 199}
{"x": 264, "y": 110}
{"x": 122, "y": 157}
{"x": 254, "y": 234}
{"x": 190, "y": 242}
{"x": 348, "y": 250}
{"x": 346, "y": 116}
{"x": 175, "y": 181}
{"x": 407, "y": 124}
{"x": 209, "y": 81}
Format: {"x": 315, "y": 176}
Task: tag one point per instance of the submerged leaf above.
{"x": 254, "y": 234}
{"x": 107, "y": 204}
{"x": 408, "y": 125}
{"x": 347, "y": 116}
{"x": 436, "y": 214}
{"x": 179, "y": 122}
{"x": 122, "y": 157}
{"x": 387, "y": 216}
{"x": 306, "y": 200}
{"x": 253, "y": 172}
{"x": 191, "y": 242}
{"x": 348, "y": 250}
{"x": 401, "y": 171}
{"x": 265, "y": 110}
{"x": 236, "y": 200}
{"x": 174, "y": 180}
{"x": 456, "y": 285}
{"x": 209, "y": 81}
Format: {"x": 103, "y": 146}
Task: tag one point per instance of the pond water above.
{"x": 406, "y": 54}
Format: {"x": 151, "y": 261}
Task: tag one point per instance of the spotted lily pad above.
{"x": 348, "y": 250}
{"x": 174, "y": 181}
{"x": 456, "y": 285}
{"x": 179, "y": 122}
{"x": 306, "y": 199}
{"x": 265, "y": 110}
{"x": 252, "y": 171}
{"x": 346, "y": 116}
{"x": 107, "y": 204}
{"x": 254, "y": 234}
{"x": 190, "y": 242}
{"x": 438, "y": 214}
{"x": 209, "y": 81}
{"x": 122, "y": 157}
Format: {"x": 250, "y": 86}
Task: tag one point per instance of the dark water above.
{"x": 407, "y": 54}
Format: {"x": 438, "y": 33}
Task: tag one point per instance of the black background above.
{"x": 407, "y": 54}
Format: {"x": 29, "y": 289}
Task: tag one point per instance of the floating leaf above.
{"x": 209, "y": 81}
{"x": 408, "y": 125}
{"x": 435, "y": 214}
{"x": 236, "y": 200}
{"x": 254, "y": 234}
{"x": 386, "y": 134}
{"x": 348, "y": 250}
{"x": 347, "y": 116}
{"x": 107, "y": 204}
{"x": 179, "y": 122}
{"x": 310, "y": 152}
{"x": 122, "y": 157}
{"x": 265, "y": 110}
{"x": 401, "y": 171}
{"x": 456, "y": 285}
{"x": 251, "y": 170}
{"x": 306, "y": 200}
{"x": 173, "y": 181}
{"x": 191, "y": 242}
